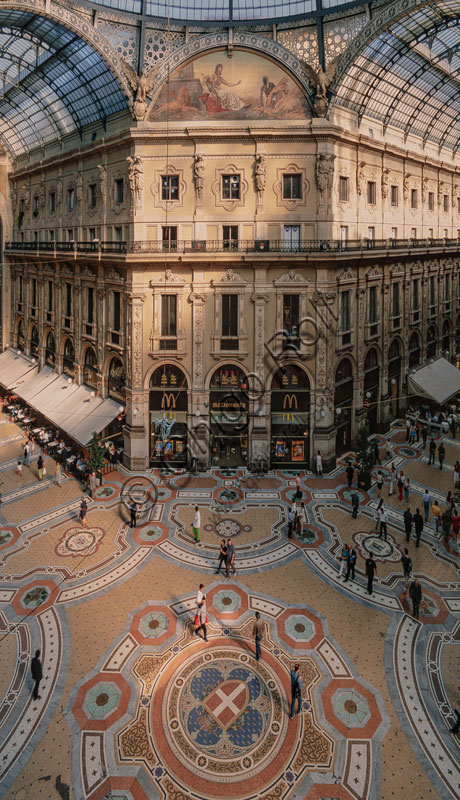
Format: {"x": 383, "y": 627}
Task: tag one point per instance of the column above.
{"x": 322, "y": 412}
{"x": 259, "y": 399}
{"x": 198, "y": 427}
{"x": 136, "y": 428}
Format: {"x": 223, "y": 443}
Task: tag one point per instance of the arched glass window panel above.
{"x": 116, "y": 379}
{"x": 90, "y": 368}
{"x": 68, "y": 359}
{"x": 50, "y": 350}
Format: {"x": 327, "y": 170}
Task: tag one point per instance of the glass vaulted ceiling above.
{"x": 223, "y": 10}
{"x": 51, "y": 81}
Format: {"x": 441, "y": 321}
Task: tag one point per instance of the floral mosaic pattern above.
{"x": 101, "y": 700}
{"x": 153, "y": 625}
{"x": 226, "y": 602}
{"x": 351, "y": 708}
{"x": 77, "y": 542}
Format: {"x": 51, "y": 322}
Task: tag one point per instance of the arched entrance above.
{"x": 168, "y": 403}
{"x": 21, "y": 338}
{"x": 50, "y": 350}
{"x": 116, "y": 379}
{"x": 372, "y": 386}
{"x": 446, "y": 339}
{"x": 68, "y": 359}
{"x": 229, "y": 416}
{"x": 343, "y": 405}
{"x": 394, "y": 375}
{"x": 431, "y": 342}
{"x": 414, "y": 350}
{"x": 34, "y": 342}
{"x": 90, "y": 368}
{"x": 290, "y": 417}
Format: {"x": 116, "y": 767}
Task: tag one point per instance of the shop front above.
{"x": 229, "y": 415}
{"x": 290, "y": 418}
{"x": 371, "y": 387}
{"x": 168, "y": 403}
{"x": 343, "y": 405}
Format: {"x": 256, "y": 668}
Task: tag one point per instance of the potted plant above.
{"x": 96, "y": 456}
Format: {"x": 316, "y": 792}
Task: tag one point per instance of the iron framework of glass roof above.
{"x": 52, "y": 82}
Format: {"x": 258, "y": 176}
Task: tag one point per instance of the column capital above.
{"x": 260, "y": 297}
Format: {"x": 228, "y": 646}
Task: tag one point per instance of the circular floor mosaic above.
{"x": 371, "y": 544}
{"x": 79, "y": 542}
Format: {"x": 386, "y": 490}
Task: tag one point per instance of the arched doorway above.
{"x": 431, "y": 342}
{"x": 394, "y": 375}
{"x": 21, "y": 338}
{"x": 90, "y": 368}
{"x": 229, "y": 407}
{"x": 50, "y": 350}
{"x": 414, "y": 350}
{"x": 68, "y": 359}
{"x": 116, "y": 379}
{"x": 168, "y": 403}
{"x": 343, "y": 405}
{"x": 290, "y": 417}
{"x": 372, "y": 386}
{"x": 446, "y": 339}
{"x": 34, "y": 342}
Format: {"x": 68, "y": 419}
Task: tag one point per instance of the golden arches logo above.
{"x": 168, "y": 403}
{"x": 289, "y": 402}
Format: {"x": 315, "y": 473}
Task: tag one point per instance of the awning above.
{"x": 438, "y": 381}
{"x": 100, "y": 413}
{"x": 15, "y": 369}
{"x": 36, "y": 384}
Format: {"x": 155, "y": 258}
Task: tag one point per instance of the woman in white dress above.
{"x": 221, "y": 88}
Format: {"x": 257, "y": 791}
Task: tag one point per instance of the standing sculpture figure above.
{"x": 136, "y": 178}
{"x": 198, "y": 176}
{"x": 260, "y": 171}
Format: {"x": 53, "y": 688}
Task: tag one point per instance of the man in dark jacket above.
{"x": 37, "y": 673}
{"x": 222, "y": 555}
{"x": 415, "y": 592}
{"x": 432, "y": 451}
{"x": 446, "y": 522}
{"x": 418, "y": 525}
{"x": 351, "y": 564}
{"x": 441, "y": 454}
{"x": 354, "y": 505}
{"x": 371, "y": 568}
{"x": 350, "y": 475}
{"x": 408, "y": 520}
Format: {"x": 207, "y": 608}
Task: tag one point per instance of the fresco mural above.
{"x": 246, "y": 86}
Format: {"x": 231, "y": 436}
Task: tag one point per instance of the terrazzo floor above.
{"x": 134, "y": 705}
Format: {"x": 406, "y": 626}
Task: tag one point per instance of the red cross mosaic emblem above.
{"x": 226, "y": 702}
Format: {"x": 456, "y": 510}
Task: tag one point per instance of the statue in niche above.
{"x": 260, "y": 171}
{"x": 324, "y": 171}
{"x": 79, "y": 187}
{"x": 198, "y": 176}
{"x": 406, "y": 185}
{"x": 59, "y": 194}
{"x": 385, "y": 179}
{"x": 141, "y": 85}
{"x": 136, "y": 178}
{"x": 102, "y": 181}
{"x": 360, "y": 178}
{"x": 321, "y": 80}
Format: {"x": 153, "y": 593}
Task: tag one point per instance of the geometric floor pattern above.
{"x": 134, "y": 705}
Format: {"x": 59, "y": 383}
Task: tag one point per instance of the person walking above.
{"x": 57, "y": 474}
{"x": 417, "y": 429}
{"x": 133, "y": 514}
{"x": 379, "y": 482}
{"x": 350, "y": 473}
{"x": 298, "y": 493}
{"x": 37, "y": 673}
{"x": 343, "y": 559}
{"x": 319, "y": 464}
{"x": 426, "y": 500}
{"x": 446, "y": 522}
{"x": 83, "y": 510}
{"x": 432, "y": 451}
{"x": 393, "y": 479}
{"x": 28, "y": 453}
{"x": 290, "y": 522}
{"x": 377, "y": 514}
{"x": 354, "y": 505}
{"x": 455, "y": 524}
{"x": 199, "y": 597}
{"x": 415, "y": 592}
{"x": 19, "y": 468}
{"x": 400, "y": 484}
{"x": 408, "y": 520}
{"x": 230, "y": 558}
{"x": 40, "y": 467}
{"x": 407, "y": 490}
{"x": 258, "y": 633}
{"x": 456, "y": 474}
{"x": 93, "y": 486}
{"x": 412, "y": 434}
{"x": 371, "y": 569}
{"x": 296, "y": 690}
{"x": 406, "y": 562}
{"x": 407, "y": 429}
{"x": 203, "y": 619}
{"x": 351, "y": 564}
{"x": 418, "y": 526}
{"x": 424, "y": 436}
{"x": 436, "y": 516}
{"x": 449, "y": 501}
{"x": 196, "y": 525}
{"x": 303, "y": 517}
{"x": 376, "y": 452}
{"x": 441, "y": 454}
{"x": 383, "y": 523}
{"x": 222, "y": 555}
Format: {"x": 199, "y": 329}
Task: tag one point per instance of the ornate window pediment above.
{"x": 290, "y": 278}
{"x": 218, "y": 187}
{"x": 116, "y": 205}
{"x": 162, "y": 191}
{"x": 161, "y": 342}
{"x": 279, "y": 187}
{"x": 229, "y": 279}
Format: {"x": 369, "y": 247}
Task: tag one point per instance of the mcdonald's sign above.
{"x": 289, "y": 402}
{"x": 168, "y": 404}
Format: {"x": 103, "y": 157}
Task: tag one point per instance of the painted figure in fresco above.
{"x": 265, "y": 89}
{"x": 221, "y": 90}
{"x": 278, "y": 93}
{"x": 180, "y": 104}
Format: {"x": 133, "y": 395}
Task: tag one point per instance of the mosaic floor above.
{"x": 135, "y": 706}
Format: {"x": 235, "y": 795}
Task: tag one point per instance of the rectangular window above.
{"x": 413, "y": 198}
{"x": 446, "y": 288}
{"x": 20, "y": 288}
{"x": 291, "y": 313}
{"x": 34, "y": 292}
{"x": 230, "y": 237}
{"x": 292, "y": 187}
{"x": 51, "y": 236}
{"x": 446, "y": 202}
{"x": 68, "y": 299}
{"x": 373, "y": 305}
{"x": 343, "y": 189}
{"x": 458, "y": 205}
{"x": 70, "y": 234}
{"x": 371, "y": 234}
{"x": 170, "y": 187}
{"x": 90, "y": 306}
{"x": 394, "y": 233}
{"x": 395, "y": 301}
{"x": 35, "y": 237}
{"x": 22, "y": 206}
{"x": 231, "y": 187}
{"x": 446, "y": 233}
{"x": 169, "y": 237}
{"x": 432, "y": 292}
{"x": 413, "y": 233}
{"x": 230, "y": 321}
{"x": 50, "y": 296}
{"x": 430, "y": 201}
{"x": 169, "y": 316}
{"x": 118, "y": 234}
{"x": 415, "y": 294}
{"x": 344, "y": 311}
{"x": 52, "y": 202}
{"x": 70, "y": 199}
{"x": 344, "y": 233}
{"x": 92, "y": 234}
{"x": 116, "y": 322}
{"x": 119, "y": 190}
{"x": 430, "y": 233}
{"x": 394, "y": 196}
{"x": 371, "y": 193}
{"x": 92, "y": 195}
{"x": 36, "y": 206}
